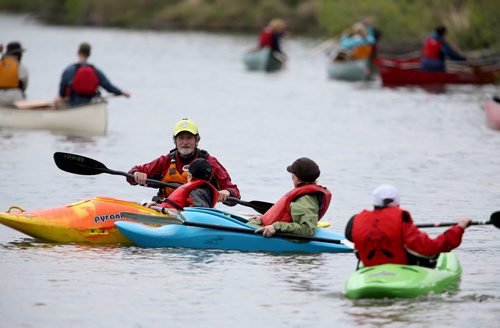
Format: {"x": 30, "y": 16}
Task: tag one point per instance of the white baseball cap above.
{"x": 385, "y": 196}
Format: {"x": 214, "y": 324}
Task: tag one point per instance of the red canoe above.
{"x": 492, "y": 111}
{"x": 406, "y": 71}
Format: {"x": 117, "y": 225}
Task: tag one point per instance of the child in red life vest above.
{"x": 387, "y": 234}
{"x": 197, "y": 192}
{"x": 299, "y": 210}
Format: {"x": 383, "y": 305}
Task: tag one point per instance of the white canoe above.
{"x": 492, "y": 111}
{"x": 86, "y": 120}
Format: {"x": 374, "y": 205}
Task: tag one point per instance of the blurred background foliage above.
{"x": 472, "y": 24}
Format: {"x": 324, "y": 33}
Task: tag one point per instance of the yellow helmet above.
{"x": 185, "y": 125}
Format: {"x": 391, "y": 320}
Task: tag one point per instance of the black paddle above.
{"x": 257, "y": 205}
{"x": 82, "y": 165}
{"x": 494, "y": 219}
{"x": 169, "y": 219}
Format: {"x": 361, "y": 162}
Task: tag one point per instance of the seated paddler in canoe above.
{"x": 173, "y": 167}
{"x": 268, "y": 55}
{"x": 359, "y": 41}
{"x": 197, "y": 192}
{"x": 387, "y": 234}
{"x": 436, "y": 49}
{"x": 300, "y": 209}
{"x": 13, "y": 75}
{"x": 358, "y": 50}
{"x": 81, "y": 81}
{"x": 271, "y": 36}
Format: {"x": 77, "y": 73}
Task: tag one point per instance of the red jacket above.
{"x": 158, "y": 168}
{"x": 280, "y": 212}
{"x": 391, "y": 231}
{"x": 184, "y": 195}
{"x": 266, "y": 37}
{"x": 432, "y": 48}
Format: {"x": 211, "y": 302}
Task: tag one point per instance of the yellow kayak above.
{"x": 90, "y": 221}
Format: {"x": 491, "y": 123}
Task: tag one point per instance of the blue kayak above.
{"x": 206, "y": 229}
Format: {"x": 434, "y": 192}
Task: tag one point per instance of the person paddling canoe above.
{"x": 173, "y": 167}
{"x": 436, "y": 49}
{"x": 13, "y": 75}
{"x": 387, "y": 234}
{"x": 300, "y": 209}
{"x": 80, "y": 82}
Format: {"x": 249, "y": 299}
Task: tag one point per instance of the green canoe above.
{"x": 262, "y": 60}
{"x": 352, "y": 70}
{"x": 405, "y": 281}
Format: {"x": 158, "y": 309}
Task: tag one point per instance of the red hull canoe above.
{"x": 492, "y": 112}
{"x": 398, "y": 72}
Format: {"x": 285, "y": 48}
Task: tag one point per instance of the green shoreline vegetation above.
{"x": 472, "y": 24}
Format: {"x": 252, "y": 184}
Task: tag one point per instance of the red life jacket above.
{"x": 173, "y": 175}
{"x": 432, "y": 48}
{"x": 266, "y": 37}
{"x": 280, "y": 212}
{"x": 180, "y": 197}
{"x": 85, "y": 82}
{"x": 377, "y": 236}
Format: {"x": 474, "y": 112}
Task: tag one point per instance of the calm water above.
{"x": 434, "y": 147}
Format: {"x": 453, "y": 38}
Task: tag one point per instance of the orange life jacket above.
{"x": 180, "y": 197}
{"x": 377, "y": 236}
{"x": 9, "y": 73}
{"x": 432, "y": 48}
{"x": 362, "y": 52}
{"x": 172, "y": 175}
{"x": 280, "y": 212}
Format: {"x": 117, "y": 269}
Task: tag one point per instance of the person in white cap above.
{"x": 173, "y": 166}
{"x": 387, "y": 234}
{"x": 300, "y": 209}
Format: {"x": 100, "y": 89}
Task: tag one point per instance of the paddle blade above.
{"x": 78, "y": 164}
{"x": 260, "y": 206}
{"x": 257, "y": 205}
{"x": 495, "y": 219}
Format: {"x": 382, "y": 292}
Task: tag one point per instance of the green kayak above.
{"x": 405, "y": 281}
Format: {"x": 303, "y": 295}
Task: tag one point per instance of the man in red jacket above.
{"x": 387, "y": 234}
{"x": 173, "y": 167}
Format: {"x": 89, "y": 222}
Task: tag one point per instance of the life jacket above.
{"x": 9, "y": 73}
{"x": 85, "y": 81}
{"x": 377, "y": 236}
{"x": 280, "y": 212}
{"x": 362, "y": 52}
{"x": 179, "y": 198}
{"x": 173, "y": 175}
{"x": 432, "y": 48}
{"x": 266, "y": 37}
